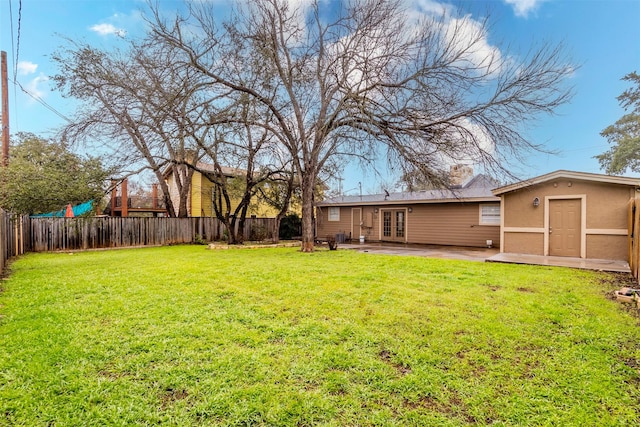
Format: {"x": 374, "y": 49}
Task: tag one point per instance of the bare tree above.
{"x": 372, "y": 77}
{"x": 160, "y": 114}
{"x": 139, "y": 105}
{"x": 427, "y": 90}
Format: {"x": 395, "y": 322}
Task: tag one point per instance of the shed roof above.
{"x": 583, "y": 176}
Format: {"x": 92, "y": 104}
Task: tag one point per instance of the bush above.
{"x": 258, "y": 233}
{"x": 290, "y": 227}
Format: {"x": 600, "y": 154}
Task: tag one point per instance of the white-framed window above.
{"x": 490, "y": 214}
{"x": 334, "y": 213}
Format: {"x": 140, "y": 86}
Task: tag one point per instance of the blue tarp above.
{"x": 78, "y": 210}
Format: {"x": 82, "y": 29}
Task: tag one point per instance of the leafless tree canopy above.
{"x": 370, "y": 75}
{"x": 313, "y": 83}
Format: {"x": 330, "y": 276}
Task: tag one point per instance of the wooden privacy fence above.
{"x": 21, "y": 234}
{"x": 52, "y": 234}
{"x": 14, "y": 237}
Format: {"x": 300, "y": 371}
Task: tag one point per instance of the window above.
{"x": 399, "y": 223}
{"x": 334, "y": 214}
{"x": 490, "y": 214}
{"x": 386, "y": 223}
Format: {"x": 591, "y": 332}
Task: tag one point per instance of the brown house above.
{"x": 570, "y": 214}
{"x": 466, "y": 216}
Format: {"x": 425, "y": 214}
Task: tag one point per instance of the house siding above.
{"x": 196, "y": 195}
{"x": 456, "y": 224}
{"x": 174, "y": 194}
{"x": 201, "y": 203}
{"x": 606, "y": 216}
{"x": 325, "y": 228}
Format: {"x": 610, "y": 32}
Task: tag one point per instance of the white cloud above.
{"x": 522, "y": 8}
{"x": 464, "y": 36}
{"x": 431, "y": 7}
{"x": 108, "y": 29}
{"x": 34, "y": 87}
{"x": 469, "y": 39}
{"x": 26, "y": 68}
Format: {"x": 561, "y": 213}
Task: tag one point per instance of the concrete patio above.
{"x": 485, "y": 254}
{"x": 557, "y": 261}
{"x": 429, "y": 251}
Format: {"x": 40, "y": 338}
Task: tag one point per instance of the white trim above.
{"x": 406, "y": 222}
{"x": 524, "y": 230}
{"x": 406, "y": 225}
{"x": 583, "y": 221}
{"x": 608, "y": 231}
{"x": 330, "y": 208}
{"x": 502, "y": 242}
{"x": 490, "y": 224}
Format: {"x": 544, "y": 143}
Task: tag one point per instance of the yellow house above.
{"x": 200, "y": 201}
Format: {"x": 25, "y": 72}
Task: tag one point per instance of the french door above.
{"x": 394, "y": 225}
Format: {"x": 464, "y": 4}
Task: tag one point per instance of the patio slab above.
{"x": 429, "y": 251}
{"x": 556, "y": 261}
{"x": 485, "y": 254}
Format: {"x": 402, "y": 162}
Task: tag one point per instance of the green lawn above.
{"x": 187, "y": 336}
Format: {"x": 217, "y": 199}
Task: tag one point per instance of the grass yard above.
{"x": 187, "y": 336}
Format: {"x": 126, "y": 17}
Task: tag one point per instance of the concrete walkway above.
{"x": 485, "y": 254}
{"x": 558, "y": 261}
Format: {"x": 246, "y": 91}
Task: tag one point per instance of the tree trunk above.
{"x": 182, "y": 209}
{"x": 168, "y": 203}
{"x": 185, "y": 194}
{"x": 284, "y": 208}
{"x": 275, "y": 236}
{"x": 308, "y": 232}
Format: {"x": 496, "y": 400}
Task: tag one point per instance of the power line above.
{"x": 42, "y": 101}
{"x": 15, "y": 71}
{"x": 15, "y": 47}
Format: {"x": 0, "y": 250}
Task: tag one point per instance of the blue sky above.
{"x": 601, "y": 36}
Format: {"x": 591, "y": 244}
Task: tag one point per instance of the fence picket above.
{"x": 21, "y": 234}
{"x": 14, "y": 230}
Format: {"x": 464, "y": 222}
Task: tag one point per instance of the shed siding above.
{"x": 606, "y": 203}
{"x": 606, "y": 212}
{"x": 524, "y": 243}
{"x": 607, "y": 247}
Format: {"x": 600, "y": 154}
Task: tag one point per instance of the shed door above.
{"x": 394, "y": 225}
{"x": 564, "y": 227}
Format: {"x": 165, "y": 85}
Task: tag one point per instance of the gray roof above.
{"x": 471, "y": 192}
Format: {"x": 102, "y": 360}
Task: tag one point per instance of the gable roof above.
{"x": 475, "y": 190}
{"x": 582, "y": 176}
{"x": 208, "y": 167}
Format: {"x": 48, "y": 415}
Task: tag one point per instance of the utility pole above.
{"x": 5, "y": 111}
